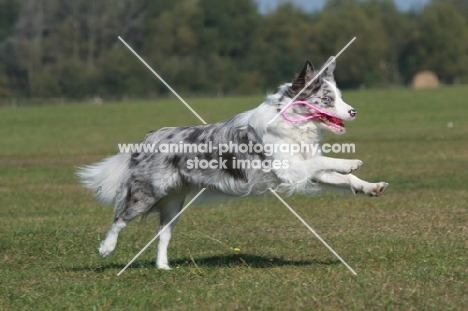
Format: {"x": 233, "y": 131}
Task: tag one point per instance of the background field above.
{"x": 408, "y": 247}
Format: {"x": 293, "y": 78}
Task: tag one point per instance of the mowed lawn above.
{"x": 409, "y": 247}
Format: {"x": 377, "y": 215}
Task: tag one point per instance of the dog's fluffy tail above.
{"x": 105, "y": 178}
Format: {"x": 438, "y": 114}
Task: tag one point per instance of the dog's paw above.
{"x": 377, "y": 189}
{"x": 103, "y": 252}
{"x": 346, "y": 166}
{"x": 350, "y": 166}
{"x": 355, "y": 165}
{"x": 163, "y": 266}
{"x": 106, "y": 248}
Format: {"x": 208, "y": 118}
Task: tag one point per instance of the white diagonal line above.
{"x": 162, "y": 80}
{"x": 161, "y": 231}
{"x": 313, "y": 79}
{"x": 345, "y": 47}
{"x": 313, "y": 231}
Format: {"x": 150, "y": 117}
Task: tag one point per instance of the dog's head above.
{"x": 322, "y": 93}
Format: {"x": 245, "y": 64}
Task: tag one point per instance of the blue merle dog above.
{"x": 139, "y": 183}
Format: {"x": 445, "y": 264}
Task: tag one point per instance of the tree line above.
{"x": 69, "y": 48}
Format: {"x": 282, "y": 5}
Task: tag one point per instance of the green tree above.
{"x": 286, "y": 41}
{"x": 441, "y": 40}
{"x": 171, "y": 46}
{"x": 9, "y": 10}
{"x": 230, "y": 27}
{"x": 397, "y": 27}
{"x": 8, "y": 16}
{"x": 64, "y": 39}
{"x": 122, "y": 74}
{"x": 5, "y": 88}
{"x": 363, "y": 62}
{"x": 460, "y": 5}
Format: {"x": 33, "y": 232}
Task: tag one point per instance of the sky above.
{"x": 266, "y": 6}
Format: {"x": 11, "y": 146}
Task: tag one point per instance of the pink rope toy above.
{"x": 319, "y": 113}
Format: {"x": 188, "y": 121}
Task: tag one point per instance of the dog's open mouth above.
{"x": 334, "y": 123}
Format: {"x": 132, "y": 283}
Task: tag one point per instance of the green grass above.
{"x": 409, "y": 247}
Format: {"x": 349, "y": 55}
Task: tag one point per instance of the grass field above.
{"x": 409, "y": 247}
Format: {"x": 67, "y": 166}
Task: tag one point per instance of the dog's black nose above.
{"x": 352, "y": 112}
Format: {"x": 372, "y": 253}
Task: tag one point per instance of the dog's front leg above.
{"x": 351, "y": 182}
{"x": 342, "y": 166}
{"x": 299, "y": 170}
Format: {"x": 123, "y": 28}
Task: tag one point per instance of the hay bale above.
{"x": 425, "y": 79}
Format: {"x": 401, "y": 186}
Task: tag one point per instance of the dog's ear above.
{"x": 328, "y": 73}
{"x": 304, "y": 77}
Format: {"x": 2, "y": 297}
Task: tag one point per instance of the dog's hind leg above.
{"x": 135, "y": 203}
{"x": 168, "y": 209}
{"x": 108, "y": 245}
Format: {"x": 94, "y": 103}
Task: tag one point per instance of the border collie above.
{"x": 141, "y": 182}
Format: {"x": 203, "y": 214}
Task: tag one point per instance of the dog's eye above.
{"x": 327, "y": 99}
